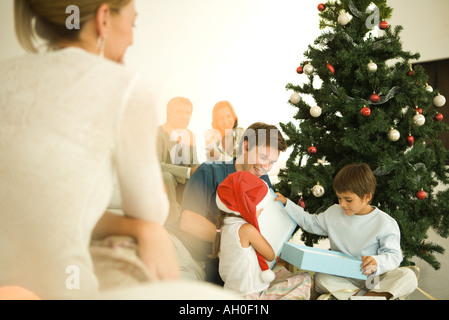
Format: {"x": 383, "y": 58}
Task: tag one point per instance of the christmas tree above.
{"x": 371, "y": 105}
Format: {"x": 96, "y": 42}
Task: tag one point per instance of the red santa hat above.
{"x": 242, "y": 193}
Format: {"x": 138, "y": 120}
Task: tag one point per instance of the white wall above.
{"x": 241, "y": 51}
{"x": 426, "y": 27}
{"x": 244, "y": 51}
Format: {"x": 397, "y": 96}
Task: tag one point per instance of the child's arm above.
{"x": 389, "y": 254}
{"x": 249, "y": 235}
{"x": 312, "y": 223}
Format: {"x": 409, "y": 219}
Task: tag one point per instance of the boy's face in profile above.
{"x": 352, "y": 204}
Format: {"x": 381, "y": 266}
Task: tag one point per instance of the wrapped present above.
{"x": 323, "y": 261}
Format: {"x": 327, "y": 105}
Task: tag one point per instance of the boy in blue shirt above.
{"x": 356, "y": 228}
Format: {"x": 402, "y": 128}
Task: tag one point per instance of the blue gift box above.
{"x": 323, "y": 261}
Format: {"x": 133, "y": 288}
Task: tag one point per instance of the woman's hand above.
{"x": 154, "y": 245}
{"x": 156, "y": 250}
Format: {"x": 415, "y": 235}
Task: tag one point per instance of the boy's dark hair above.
{"x": 356, "y": 178}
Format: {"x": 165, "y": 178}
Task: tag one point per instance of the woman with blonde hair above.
{"x": 72, "y": 119}
{"x": 223, "y": 139}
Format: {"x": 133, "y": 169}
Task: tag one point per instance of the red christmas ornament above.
{"x": 424, "y": 251}
{"x": 410, "y": 73}
{"x": 421, "y": 195}
{"x": 374, "y": 98}
{"x": 366, "y": 112}
{"x": 411, "y": 140}
{"x": 418, "y": 110}
{"x": 300, "y": 70}
{"x": 331, "y": 68}
{"x": 321, "y": 7}
{"x": 312, "y": 150}
{"x": 301, "y": 203}
{"x": 383, "y": 25}
{"x": 439, "y": 117}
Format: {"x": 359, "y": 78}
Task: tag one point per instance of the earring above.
{"x": 101, "y": 45}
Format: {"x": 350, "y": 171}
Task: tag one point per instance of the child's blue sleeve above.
{"x": 389, "y": 253}
{"x": 312, "y": 223}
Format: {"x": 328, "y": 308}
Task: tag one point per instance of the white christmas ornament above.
{"x": 315, "y": 111}
{"x": 295, "y": 98}
{"x": 394, "y": 135}
{"x": 439, "y": 101}
{"x": 429, "y": 88}
{"x": 308, "y": 69}
{"x": 419, "y": 120}
{"x": 372, "y": 67}
{"x": 318, "y": 191}
{"x": 343, "y": 19}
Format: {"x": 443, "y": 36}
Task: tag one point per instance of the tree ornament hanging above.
{"x": 343, "y": 19}
{"x": 410, "y": 72}
{"x": 318, "y": 190}
{"x": 383, "y": 25}
{"x": 439, "y": 101}
{"x": 300, "y": 70}
{"x": 301, "y": 203}
{"x": 421, "y": 195}
{"x": 419, "y": 120}
{"x": 429, "y": 88}
{"x": 312, "y": 150}
{"x": 374, "y": 98}
{"x": 411, "y": 140}
{"x": 321, "y": 7}
{"x": 366, "y": 112}
{"x": 394, "y": 135}
{"x": 425, "y": 251}
{"x": 331, "y": 68}
{"x": 316, "y": 111}
{"x": 439, "y": 117}
{"x": 295, "y": 98}
{"x": 418, "y": 110}
{"x": 372, "y": 67}
{"x": 308, "y": 69}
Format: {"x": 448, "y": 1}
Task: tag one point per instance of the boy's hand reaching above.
{"x": 281, "y": 198}
{"x": 369, "y": 265}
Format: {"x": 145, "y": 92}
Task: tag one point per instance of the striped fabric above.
{"x": 286, "y": 286}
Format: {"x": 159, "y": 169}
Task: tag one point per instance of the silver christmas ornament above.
{"x": 295, "y": 98}
{"x": 394, "y": 135}
{"x": 439, "y": 101}
{"x": 318, "y": 190}
{"x": 315, "y": 111}
{"x": 419, "y": 120}
{"x": 372, "y": 67}
{"x": 308, "y": 69}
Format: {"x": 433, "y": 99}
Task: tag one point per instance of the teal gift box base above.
{"x": 323, "y": 261}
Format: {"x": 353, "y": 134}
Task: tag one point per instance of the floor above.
{"x": 434, "y": 283}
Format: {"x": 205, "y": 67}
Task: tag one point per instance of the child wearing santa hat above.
{"x": 243, "y": 251}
